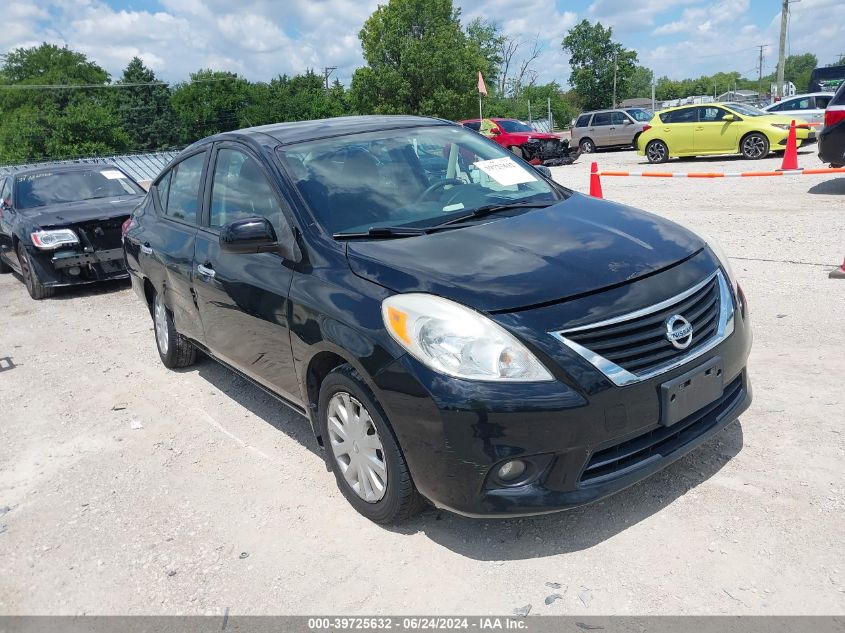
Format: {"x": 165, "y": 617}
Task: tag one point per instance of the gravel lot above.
{"x": 134, "y": 489}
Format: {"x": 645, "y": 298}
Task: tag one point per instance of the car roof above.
{"x": 62, "y": 167}
{"x": 299, "y": 131}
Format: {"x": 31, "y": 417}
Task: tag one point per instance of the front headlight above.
{"x": 457, "y": 341}
{"x": 46, "y": 240}
{"x": 781, "y": 126}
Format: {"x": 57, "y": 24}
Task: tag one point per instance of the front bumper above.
{"x": 583, "y": 437}
{"x": 75, "y": 266}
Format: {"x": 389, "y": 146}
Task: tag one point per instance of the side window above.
{"x": 185, "y": 188}
{"x": 162, "y": 189}
{"x": 687, "y": 115}
{"x": 602, "y": 118}
{"x": 710, "y": 114}
{"x": 241, "y": 190}
{"x": 822, "y": 101}
{"x": 617, "y": 118}
{"x": 804, "y": 103}
{"x": 583, "y": 120}
{"x": 473, "y": 125}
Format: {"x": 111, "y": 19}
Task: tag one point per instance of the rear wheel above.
{"x": 36, "y": 289}
{"x": 362, "y": 451}
{"x": 174, "y": 349}
{"x": 754, "y": 146}
{"x": 587, "y": 146}
{"x": 657, "y": 152}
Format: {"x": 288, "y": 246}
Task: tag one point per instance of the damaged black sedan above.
{"x": 60, "y": 225}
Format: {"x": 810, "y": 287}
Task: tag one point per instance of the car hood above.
{"x": 777, "y": 118}
{"x": 577, "y": 246}
{"x": 542, "y": 136}
{"x": 58, "y": 215}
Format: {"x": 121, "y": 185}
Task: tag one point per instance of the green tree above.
{"x": 419, "y": 61}
{"x": 486, "y": 35}
{"x": 210, "y": 103}
{"x": 41, "y": 123}
{"x": 146, "y": 115}
{"x": 640, "y": 85}
{"x": 593, "y": 55}
{"x": 797, "y": 69}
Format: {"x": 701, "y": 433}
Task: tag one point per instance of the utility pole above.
{"x": 652, "y": 95}
{"x": 327, "y": 72}
{"x": 784, "y": 23}
{"x": 614, "y": 79}
{"x": 760, "y": 69}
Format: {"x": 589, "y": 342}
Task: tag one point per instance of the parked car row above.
{"x": 457, "y": 327}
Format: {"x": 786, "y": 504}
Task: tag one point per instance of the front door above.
{"x": 713, "y": 133}
{"x": 243, "y": 298}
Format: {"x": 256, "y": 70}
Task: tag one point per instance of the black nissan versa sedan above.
{"x": 471, "y": 333}
{"x": 60, "y": 225}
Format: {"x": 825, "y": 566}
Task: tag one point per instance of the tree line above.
{"x": 419, "y": 59}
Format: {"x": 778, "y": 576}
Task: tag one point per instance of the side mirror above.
{"x": 729, "y": 117}
{"x": 628, "y": 122}
{"x": 544, "y": 170}
{"x": 257, "y": 235}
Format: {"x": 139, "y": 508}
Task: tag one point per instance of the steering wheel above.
{"x": 438, "y": 185}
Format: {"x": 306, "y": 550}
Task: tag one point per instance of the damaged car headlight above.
{"x": 47, "y": 240}
{"x": 457, "y": 341}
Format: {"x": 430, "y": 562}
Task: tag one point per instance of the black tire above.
{"x": 754, "y": 146}
{"x": 401, "y": 499}
{"x": 657, "y": 152}
{"x": 587, "y": 146}
{"x": 4, "y": 267}
{"x": 36, "y": 289}
{"x": 178, "y": 351}
{"x": 517, "y": 150}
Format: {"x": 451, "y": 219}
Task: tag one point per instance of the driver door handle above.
{"x": 146, "y": 249}
{"x": 205, "y": 271}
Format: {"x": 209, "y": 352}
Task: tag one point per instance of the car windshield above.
{"x": 60, "y": 187}
{"x": 411, "y": 177}
{"x": 746, "y": 109}
{"x": 509, "y": 125}
{"x": 640, "y": 115}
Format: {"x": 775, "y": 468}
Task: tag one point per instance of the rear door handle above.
{"x": 205, "y": 270}
{"x": 146, "y": 249}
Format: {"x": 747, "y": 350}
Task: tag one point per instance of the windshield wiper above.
{"x": 489, "y": 209}
{"x": 383, "y": 232}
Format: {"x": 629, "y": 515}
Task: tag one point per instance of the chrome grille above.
{"x": 635, "y": 346}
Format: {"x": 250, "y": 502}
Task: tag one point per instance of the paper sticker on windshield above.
{"x": 113, "y": 174}
{"x": 504, "y": 171}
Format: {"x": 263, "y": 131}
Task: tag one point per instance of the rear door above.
{"x": 166, "y": 240}
{"x": 678, "y": 128}
{"x": 243, "y": 298}
{"x": 713, "y": 134}
{"x": 599, "y": 131}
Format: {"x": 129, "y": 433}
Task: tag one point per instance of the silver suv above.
{"x": 609, "y": 128}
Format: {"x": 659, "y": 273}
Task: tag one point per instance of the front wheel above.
{"x": 368, "y": 465}
{"x": 36, "y": 289}
{"x": 174, "y": 349}
{"x": 657, "y": 152}
{"x": 754, "y": 146}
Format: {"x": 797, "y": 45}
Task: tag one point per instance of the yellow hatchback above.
{"x": 717, "y": 128}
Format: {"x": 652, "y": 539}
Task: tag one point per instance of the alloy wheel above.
{"x": 656, "y": 152}
{"x": 161, "y": 328}
{"x": 754, "y": 146}
{"x": 357, "y": 447}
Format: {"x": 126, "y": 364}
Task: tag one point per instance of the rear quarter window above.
{"x": 583, "y": 120}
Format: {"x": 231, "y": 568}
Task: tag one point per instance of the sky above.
{"x": 260, "y": 39}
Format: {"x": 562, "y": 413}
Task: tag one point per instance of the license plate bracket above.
{"x": 686, "y": 394}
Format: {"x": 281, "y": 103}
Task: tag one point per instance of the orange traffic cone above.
{"x": 790, "y": 156}
{"x": 595, "y": 181}
{"x": 838, "y": 273}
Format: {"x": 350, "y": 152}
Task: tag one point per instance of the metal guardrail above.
{"x": 138, "y": 166}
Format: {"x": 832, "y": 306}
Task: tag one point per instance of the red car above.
{"x": 519, "y": 137}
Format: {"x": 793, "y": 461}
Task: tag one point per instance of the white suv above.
{"x": 809, "y": 107}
